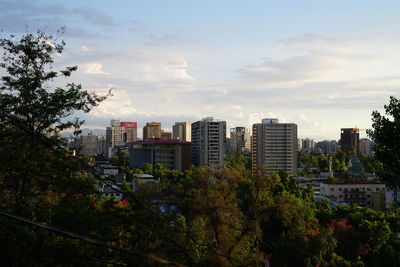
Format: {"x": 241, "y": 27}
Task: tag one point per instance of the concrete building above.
{"x": 166, "y": 135}
{"x": 176, "y": 155}
{"x": 152, "y": 130}
{"x": 327, "y": 146}
{"x": 274, "y": 146}
{"x": 352, "y": 192}
{"x": 182, "y": 131}
{"x": 90, "y": 144}
{"x": 120, "y": 133}
{"x": 240, "y": 139}
{"x": 308, "y": 144}
{"x": 350, "y": 139}
{"x": 366, "y": 146}
{"x": 209, "y": 142}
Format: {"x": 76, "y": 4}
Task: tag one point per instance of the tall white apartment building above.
{"x": 182, "y": 131}
{"x": 209, "y": 142}
{"x": 274, "y": 146}
{"x": 121, "y": 133}
{"x": 240, "y": 139}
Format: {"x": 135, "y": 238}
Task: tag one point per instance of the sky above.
{"x": 323, "y": 65}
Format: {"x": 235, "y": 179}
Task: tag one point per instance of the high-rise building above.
{"x": 308, "y": 144}
{"x": 209, "y": 142}
{"x": 182, "y": 131}
{"x": 350, "y": 139}
{"x": 120, "y": 133}
{"x": 152, "y": 130}
{"x": 328, "y": 146}
{"x": 274, "y": 146}
{"x": 90, "y": 144}
{"x": 366, "y": 146}
{"x": 240, "y": 139}
{"x": 166, "y": 135}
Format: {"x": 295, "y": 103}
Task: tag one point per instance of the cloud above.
{"x": 93, "y": 68}
{"x": 94, "y": 16}
{"x": 15, "y": 15}
{"x": 118, "y": 105}
{"x": 85, "y": 49}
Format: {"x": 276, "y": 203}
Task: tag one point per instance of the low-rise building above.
{"x": 172, "y": 154}
{"x": 351, "y": 192}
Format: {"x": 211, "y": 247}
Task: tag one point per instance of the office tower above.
{"x": 152, "y": 130}
{"x": 121, "y": 133}
{"x": 274, "y": 146}
{"x": 166, "y": 135}
{"x": 209, "y": 142}
{"x": 240, "y": 139}
{"x": 182, "y": 131}
{"x": 172, "y": 154}
{"x": 308, "y": 144}
{"x": 349, "y": 140}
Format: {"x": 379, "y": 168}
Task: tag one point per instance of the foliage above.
{"x": 370, "y": 163}
{"x": 385, "y": 133}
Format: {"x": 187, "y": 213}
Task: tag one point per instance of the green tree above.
{"x": 32, "y": 114}
{"x": 385, "y": 133}
{"x": 34, "y": 171}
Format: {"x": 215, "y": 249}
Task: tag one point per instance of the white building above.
{"x": 359, "y": 193}
{"x": 209, "y": 142}
{"x": 274, "y": 146}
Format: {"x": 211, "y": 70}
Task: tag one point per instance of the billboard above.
{"x": 128, "y": 124}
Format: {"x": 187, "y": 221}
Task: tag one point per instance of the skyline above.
{"x": 323, "y": 66}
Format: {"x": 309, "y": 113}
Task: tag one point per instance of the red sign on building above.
{"x": 128, "y": 124}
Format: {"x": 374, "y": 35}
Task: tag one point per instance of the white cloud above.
{"x": 84, "y": 49}
{"x": 118, "y": 105}
{"x": 93, "y": 68}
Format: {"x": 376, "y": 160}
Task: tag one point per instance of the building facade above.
{"x": 209, "y": 142}
{"x": 240, "y": 139}
{"x": 274, "y": 146}
{"x": 120, "y": 133}
{"x": 152, "y": 130}
{"x": 328, "y": 146}
{"x": 366, "y": 146}
{"x": 308, "y": 144}
{"x": 176, "y": 155}
{"x": 350, "y": 139}
{"x": 90, "y": 144}
{"x": 358, "y": 193}
{"x": 182, "y": 131}
{"x": 166, "y": 135}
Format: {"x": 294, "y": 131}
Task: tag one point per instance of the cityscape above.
{"x": 199, "y": 133}
{"x": 269, "y": 144}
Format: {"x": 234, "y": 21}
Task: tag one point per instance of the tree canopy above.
{"x": 385, "y": 133}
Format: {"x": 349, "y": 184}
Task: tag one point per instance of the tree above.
{"x": 34, "y": 171}
{"x": 385, "y": 133}
{"x": 32, "y": 115}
